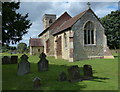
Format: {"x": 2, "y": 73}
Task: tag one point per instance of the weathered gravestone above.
{"x": 6, "y": 60}
{"x": 14, "y": 59}
{"x": 23, "y": 66}
{"x": 43, "y": 63}
{"x": 62, "y": 76}
{"x": 36, "y": 82}
{"x": 88, "y": 74}
{"x": 74, "y": 73}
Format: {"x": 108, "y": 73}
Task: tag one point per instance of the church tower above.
{"x": 48, "y": 19}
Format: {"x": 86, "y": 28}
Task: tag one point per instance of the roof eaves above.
{"x": 43, "y": 32}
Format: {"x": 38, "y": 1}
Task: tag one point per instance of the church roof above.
{"x": 36, "y": 42}
{"x": 69, "y": 23}
{"x": 64, "y": 17}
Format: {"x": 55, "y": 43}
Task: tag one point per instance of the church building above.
{"x": 72, "y": 38}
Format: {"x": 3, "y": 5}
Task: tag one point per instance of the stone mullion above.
{"x": 86, "y": 36}
{"x": 90, "y": 37}
{"x": 90, "y": 34}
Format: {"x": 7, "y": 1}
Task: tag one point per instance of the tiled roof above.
{"x": 36, "y": 42}
{"x": 64, "y": 17}
{"x": 69, "y": 23}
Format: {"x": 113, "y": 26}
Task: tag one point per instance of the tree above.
{"x": 14, "y": 25}
{"x": 5, "y": 48}
{"x": 22, "y": 47}
{"x": 111, "y": 23}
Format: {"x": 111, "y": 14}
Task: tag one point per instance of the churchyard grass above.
{"x": 105, "y": 72}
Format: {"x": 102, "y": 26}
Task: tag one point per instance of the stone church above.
{"x": 72, "y": 38}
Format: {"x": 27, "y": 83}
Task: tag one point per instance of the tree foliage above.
{"x": 14, "y": 24}
{"x": 22, "y": 47}
{"x": 7, "y": 48}
{"x": 111, "y": 23}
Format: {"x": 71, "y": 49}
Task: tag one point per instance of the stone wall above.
{"x": 66, "y": 48}
{"x": 48, "y": 36}
{"x": 45, "y": 37}
{"x": 82, "y": 51}
{"x": 36, "y": 50}
{"x": 51, "y": 51}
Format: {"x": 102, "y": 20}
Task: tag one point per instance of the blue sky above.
{"x": 36, "y": 11}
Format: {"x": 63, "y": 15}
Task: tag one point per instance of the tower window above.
{"x": 38, "y": 50}
{"x": 50, "y": 21}
{"x": 89, "y": 33}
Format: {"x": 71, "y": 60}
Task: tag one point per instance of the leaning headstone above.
{"x": 62, "y": 76}
{"x": 74, "y": 73}
{"x": 36, "y": 82}
{"x": 6, "y": 60}
{"x": 88, "y": 74}
{"x": 23, "y": 65}
{"x": 43, "y": 63}
{"x": 14, "y": 59}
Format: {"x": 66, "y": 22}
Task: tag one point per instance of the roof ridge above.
{"x": 59, "y": 18}
{"x": 71, "y": 20}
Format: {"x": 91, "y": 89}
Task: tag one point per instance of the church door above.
{"x": 59, "y": 47}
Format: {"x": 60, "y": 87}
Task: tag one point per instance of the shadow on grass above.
{"x": 99, "y": 79}
{"x": 49, "y": 79}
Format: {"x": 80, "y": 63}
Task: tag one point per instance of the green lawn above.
{"x": 105, "y": 75}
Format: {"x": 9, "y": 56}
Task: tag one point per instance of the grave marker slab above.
{"x": 6, "y": 60}
{"x": 62, "y": 76}
{"x": 74, "y": 73}
{"x": 88, "y": 74}
{"x": 14, "y": 59}
{"x": 36, "y": 82}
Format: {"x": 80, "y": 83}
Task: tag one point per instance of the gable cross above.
{"x": 88, "y": 4}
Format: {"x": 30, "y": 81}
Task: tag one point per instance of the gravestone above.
{"x": 62, "y": 76}
{"x": 43, "y": 63}
{"x": 23, "y": 65}
{"x": 6, "y": 60}
{"x": 36, "y": 82}
{"x": 14, "y": 59}
{"x": 88, "y": 74}
{"x": 74, "y": 73}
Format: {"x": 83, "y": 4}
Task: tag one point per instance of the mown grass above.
{"x": 105, "y": 75}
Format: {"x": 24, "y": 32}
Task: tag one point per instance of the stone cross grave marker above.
{"x": 23, "y": 65}
{"x": 88, "y": 74}
{"x": 43, "y": 63}
{"x": 74, "y": 73}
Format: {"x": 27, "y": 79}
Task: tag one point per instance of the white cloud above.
{"x": 36, "y": 11}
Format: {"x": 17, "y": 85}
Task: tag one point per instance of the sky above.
{"x": 36, "y": 11}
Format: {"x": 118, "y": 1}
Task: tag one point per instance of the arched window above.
{"x": 89, "y": 33}
{"x": 65, "y": 37}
